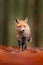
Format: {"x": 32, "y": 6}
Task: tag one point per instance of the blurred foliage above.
{"x": 10, "y": 9}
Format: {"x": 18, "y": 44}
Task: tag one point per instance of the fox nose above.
{"x": 22, "y": 30}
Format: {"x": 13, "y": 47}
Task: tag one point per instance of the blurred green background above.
{"x": 10, "y": 9}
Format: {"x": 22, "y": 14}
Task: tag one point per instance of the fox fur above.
{"x": 23, "y": 32}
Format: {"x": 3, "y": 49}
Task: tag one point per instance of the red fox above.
{"x": 23, "y": 32}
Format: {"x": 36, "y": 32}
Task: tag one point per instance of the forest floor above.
{"x": 15, "y": 56}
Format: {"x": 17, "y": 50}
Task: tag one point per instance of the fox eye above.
{"x": 19, "y": 26}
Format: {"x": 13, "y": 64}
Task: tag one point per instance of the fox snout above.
{"x": 22, "y": 29}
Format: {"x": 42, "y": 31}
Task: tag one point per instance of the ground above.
{"x": 15, "y": 56}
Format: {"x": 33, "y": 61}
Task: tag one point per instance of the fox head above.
{"x": 21, "y": 25}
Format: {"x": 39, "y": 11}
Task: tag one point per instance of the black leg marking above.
{"x": 19, "y": 43}
{"x": 23, "y": 42}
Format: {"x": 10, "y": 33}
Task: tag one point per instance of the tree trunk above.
{"x": 5, "y": 34}
{"x": 36, "y": 21}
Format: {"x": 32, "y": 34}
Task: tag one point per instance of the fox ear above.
{"x": 26, "y": 20}
{"x": 17, "y": 20}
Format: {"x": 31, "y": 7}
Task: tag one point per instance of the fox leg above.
{"x": 30, "y": 39}
{"x": 19, "y": 43}
{"x": 24, "y": 46}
